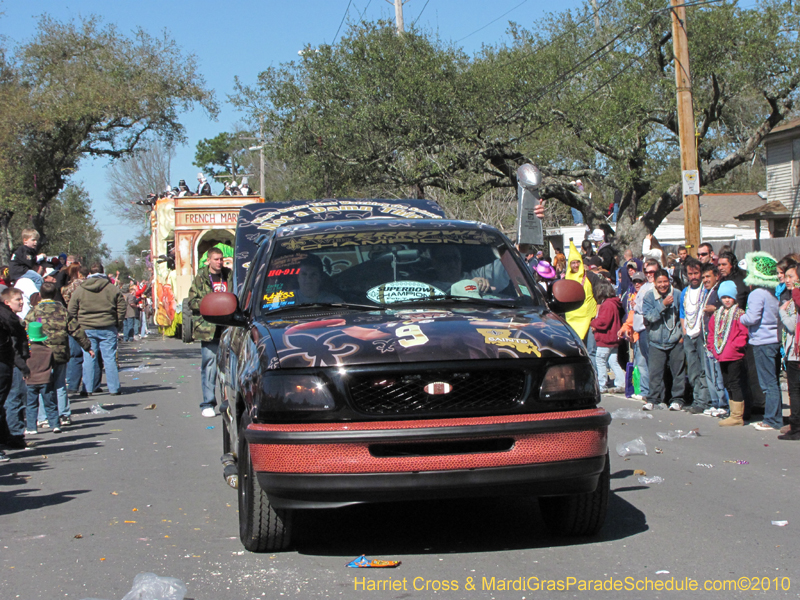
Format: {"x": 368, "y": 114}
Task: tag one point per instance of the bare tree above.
{"x": 133, "y": 178}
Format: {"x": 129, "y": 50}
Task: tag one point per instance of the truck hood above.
{"x": 417, "y": 335}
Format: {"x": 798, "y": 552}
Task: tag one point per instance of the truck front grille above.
{"x": 437, "y": 392}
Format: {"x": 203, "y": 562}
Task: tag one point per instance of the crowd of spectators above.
{"x": 60, "y": 321}
{"x": 711, "y": 335}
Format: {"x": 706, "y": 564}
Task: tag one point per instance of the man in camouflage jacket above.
{"x": 211, "y": 278}
{"x": 58, "y": 328}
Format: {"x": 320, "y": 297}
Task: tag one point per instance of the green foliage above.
{"x": 219, "y": 156}
{"x": 84, "y": 89}
{"x": 410, "y": 115}
{"x": 70, "y": 227}
{"x": 136, "y": 250}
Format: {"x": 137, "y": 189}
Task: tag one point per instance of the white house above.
{"x": 783, "y": 169}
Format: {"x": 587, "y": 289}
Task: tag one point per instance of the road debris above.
{"x": 362, "y": 562}
{"x": 636, "y": 446}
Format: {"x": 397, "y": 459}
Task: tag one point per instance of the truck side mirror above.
{"x": 565, "y": 295}
{"x": 222, "y": 308}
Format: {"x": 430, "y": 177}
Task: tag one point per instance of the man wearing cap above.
{"x": 761, "y": 320}
{"x": 608, "y": 258}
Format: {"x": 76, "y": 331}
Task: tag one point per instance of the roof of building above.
{"x": 784, "y": 127}
{"x": 717, "y": 210}
{"x": 770, "y": 210}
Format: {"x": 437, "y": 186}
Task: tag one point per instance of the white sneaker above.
{"x": 31, "y": 432}
{"x": 637, "y": 397}
{"x": 209, "y": 412}
{"x": 648, "y": 406}
{"x": 711, "y": 412}
{"x": 676, "y": 406}
{"x": 719, "y": 412}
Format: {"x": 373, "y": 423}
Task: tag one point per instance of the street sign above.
{"x": 691, "y": 183}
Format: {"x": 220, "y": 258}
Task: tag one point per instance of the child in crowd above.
{"x": 791, "y": 346}
{"x": 727, "y": 339}
{"x": 40, "y": 381}
{"x": 24, "y": 258}
{"x": 606, "y": 326}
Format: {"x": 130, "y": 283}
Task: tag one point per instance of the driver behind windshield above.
{"x": 447, "y": 264}
{"x": 310, "y": 282}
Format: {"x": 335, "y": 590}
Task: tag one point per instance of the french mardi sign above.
{"x": 330, "y": 210}
{"x": 189, "y": 219}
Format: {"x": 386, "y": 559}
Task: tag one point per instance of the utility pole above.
{"x": 596, "y": 17}
{"x": 398, "y": 16}
{"x": 686, "y": 127}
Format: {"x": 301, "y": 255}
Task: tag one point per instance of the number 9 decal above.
{"x": 417, "y": 337}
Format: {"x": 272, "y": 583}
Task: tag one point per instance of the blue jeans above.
{"x": 74, "y": 366}
{"x": 591, "y": 346}
{"x": 767, "y": 357}
{"x": 15, "y": 404}
{"x": 717, "y": 393}
{"x": 641, "y": 353}
{"x": 128, "y": 329}
{"x": 104, "y": 340}
{"x": 50, "y": 406}
{"x": 143, "y": 317}
{"x": 208, "y": 372}
{"x": 60, "y": 390}
{"x": 608, "y": 357}
{"x": 695, "y": 368}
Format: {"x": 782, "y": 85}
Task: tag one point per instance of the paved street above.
{"x": 140, "y": 490}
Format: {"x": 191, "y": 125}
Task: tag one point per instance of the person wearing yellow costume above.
{"x": 580, "y": 319}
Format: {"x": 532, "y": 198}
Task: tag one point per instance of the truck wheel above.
{"x": 186, "y": 322}
{"x": 579, "y": 514}
{"x": 261, "y": 527}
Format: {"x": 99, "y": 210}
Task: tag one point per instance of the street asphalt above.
{"x": 138, "y": 490}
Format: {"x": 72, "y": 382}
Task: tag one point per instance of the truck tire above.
{"x": 261, "y": 527}
{"x": 186, "y": 322}
{"x": 579, "y": 514}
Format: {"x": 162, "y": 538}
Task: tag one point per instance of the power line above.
{"x": 492, "y": 21}
{"x": 347, "y": 10}
{"x": 420, "y": 12}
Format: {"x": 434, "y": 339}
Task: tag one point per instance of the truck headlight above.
{"x": 569, "y": 382}
{"x": 296, "y": 393}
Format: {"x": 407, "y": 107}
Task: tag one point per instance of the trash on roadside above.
{"x": 627, "y": 413}
{"x": 659, "y": 451}
{"x": 707, "y": 466}
{"x": 651, "y": 480}
{"x": 362, "y": 562}
{"x": 78, "y": 536}
{"x": 210, "y": 427}
{"x": 636, "y": 446}
{"x": 662, "y": 572}
{"x": 150, "y": 407}
{"x": 639, "y": 472}
{"x": 670, "y": 436}
{"x": 99, "y": 410}
{"x": 149, "y": 586}
{"x": 738, "y": 462}
{"x": 780, "y": 523}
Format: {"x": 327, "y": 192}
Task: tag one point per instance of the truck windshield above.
{"x": 394, "y": 267}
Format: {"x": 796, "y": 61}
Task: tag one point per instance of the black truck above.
{"x": 376, "y": 351}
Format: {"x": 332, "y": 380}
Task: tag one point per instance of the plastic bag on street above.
{"x": 99, "y": 410}
{"x": 669, "y": 436}
{"x": 650, "y": 480}
{"x": 636, "y": 446}
{"x": 149, "y": 586}
{"x": 627, "y": 413}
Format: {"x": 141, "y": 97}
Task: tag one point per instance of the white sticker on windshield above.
{"x": 401, "y": 291}
{"x": 524, "y": 289}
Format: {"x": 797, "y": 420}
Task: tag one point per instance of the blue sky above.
{"x": 243, "y": 37}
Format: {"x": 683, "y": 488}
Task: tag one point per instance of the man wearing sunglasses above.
{"x": 705, "y": 253}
